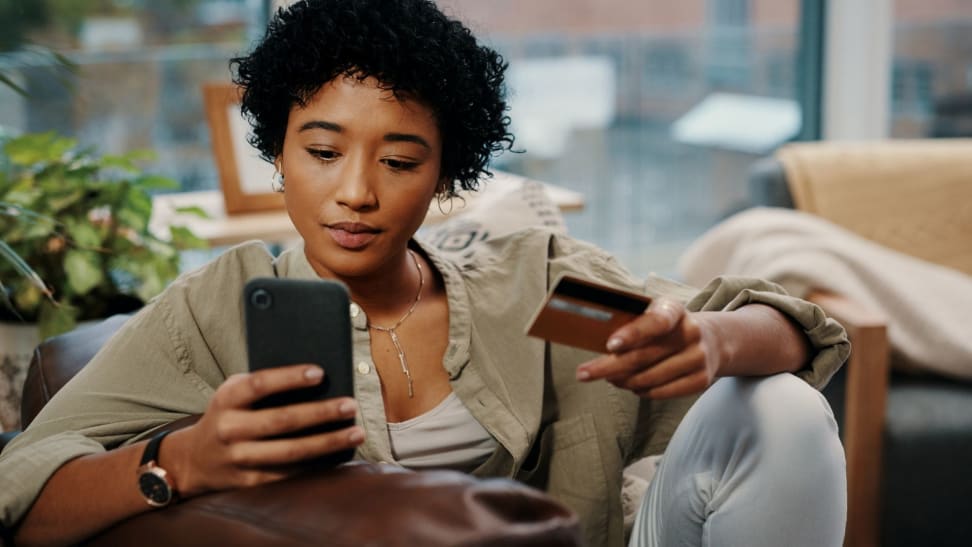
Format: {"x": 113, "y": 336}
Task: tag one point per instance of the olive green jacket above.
{"x": 570, "y": 438}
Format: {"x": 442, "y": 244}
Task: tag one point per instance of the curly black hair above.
{"x": 409, "y": 46}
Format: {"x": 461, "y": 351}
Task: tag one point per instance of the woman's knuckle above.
{"x": 224, "y": 431}
{"x": 239, "y": 457}
{"x": 256, "y": 383}
{"x": 221, "y": 397}
{"x": 692, "y": 331}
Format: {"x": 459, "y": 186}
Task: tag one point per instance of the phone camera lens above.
{"x": 261, "y": 299}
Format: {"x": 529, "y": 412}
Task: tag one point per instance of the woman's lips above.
{"x": 351, "y": 235}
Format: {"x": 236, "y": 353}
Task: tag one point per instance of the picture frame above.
{"x": 244, "y": 177}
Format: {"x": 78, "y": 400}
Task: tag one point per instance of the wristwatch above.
{"x": 153, "y": 482}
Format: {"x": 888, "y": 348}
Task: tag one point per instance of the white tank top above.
{"x": 445, "y": 437}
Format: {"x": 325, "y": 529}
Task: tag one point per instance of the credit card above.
{"x": 582, "y": 313}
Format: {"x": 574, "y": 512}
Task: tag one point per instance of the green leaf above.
{"x": 24, "y": 195}
{"x": 183, "y": 238}
{"x": 131, "y": 219}
{"x": 27, "y": 298}
{"x": 38, "y": 148}
{"x": 83, "y": 234}
{"x": 135, "y": 210}
{"x": 40, "y": 228}
{"x": 158, "y": 248}
{"x": 19, "y": 212}
{"x": 156, "y": 182}
{"x": 58, "y": 201}
{"x": 119, "y": 162}
{"x": 83, "y": 271}
{"x": 194, "y": 210}
{"x": 151, "y": 283}
{"x": 56, "y": 319}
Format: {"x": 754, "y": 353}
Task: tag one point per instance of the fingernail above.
{"x": 614, "y": 343}
{"x": 347, "y": 408}
{"x": 314, "y": 373}
{"x": 583, "y": 374}
{"x": 357, "y": 435}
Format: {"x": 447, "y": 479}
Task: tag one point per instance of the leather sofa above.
{"x": 355, "y": 504}
{"x": 921, "y": 445}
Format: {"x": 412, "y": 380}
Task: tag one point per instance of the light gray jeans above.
{"x": 756, "y": 462}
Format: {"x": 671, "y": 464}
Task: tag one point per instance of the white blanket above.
{"x": 929, "y": 307}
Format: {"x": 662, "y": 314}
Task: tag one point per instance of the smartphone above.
{"x": 295, "y": 321}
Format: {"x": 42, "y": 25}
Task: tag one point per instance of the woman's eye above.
{"x": 400, "y": 165}
{"x": 325, "y": 155}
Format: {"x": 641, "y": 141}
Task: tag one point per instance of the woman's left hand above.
{"x": 666, "y": 352}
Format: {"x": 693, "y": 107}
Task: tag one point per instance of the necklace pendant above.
{"x": 394, "y": 335}
{"x": 402, "y": 361}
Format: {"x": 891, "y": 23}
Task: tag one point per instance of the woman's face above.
{"x": 360, "y": 169}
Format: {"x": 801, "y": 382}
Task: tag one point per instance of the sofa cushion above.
{"x": 359, "y": 504}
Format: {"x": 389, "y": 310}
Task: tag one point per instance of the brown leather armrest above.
{"x": 359, "y": 504}
{"x": 868, "y": 368}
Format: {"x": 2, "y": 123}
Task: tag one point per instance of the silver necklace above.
{"x": 394, "y": 335}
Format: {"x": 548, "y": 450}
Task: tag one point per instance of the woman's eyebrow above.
{"x": 407, "y": 137}
{"x": 321, "y": 124}
{"x": 389, "y": 137}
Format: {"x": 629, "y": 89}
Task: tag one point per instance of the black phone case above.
{"x": 291, "y": 321}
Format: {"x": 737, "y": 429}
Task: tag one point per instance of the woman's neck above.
{"x": 386, "y": 295}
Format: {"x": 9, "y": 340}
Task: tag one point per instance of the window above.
{"x": 931, "y": 81}
{"x": 139, "y": 67}
{"x": 728, "y": 43}
{"x": 654, "y": 109}
{"x": 646, "y": 142}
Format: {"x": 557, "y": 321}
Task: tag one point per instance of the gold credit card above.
{"x": 582, "y": 313}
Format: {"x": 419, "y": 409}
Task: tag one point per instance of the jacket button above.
{"x": 363, "y": 368}
{"x": 354, "y": 309}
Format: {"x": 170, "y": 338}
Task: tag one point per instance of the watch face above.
{"x": 155, "y": 488}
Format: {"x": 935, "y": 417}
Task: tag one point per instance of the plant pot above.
{"x": 17, "y": 343}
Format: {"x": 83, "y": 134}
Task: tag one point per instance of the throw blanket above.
{"x": 929, "y": 307}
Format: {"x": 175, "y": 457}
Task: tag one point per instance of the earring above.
{"x": 443, "y": 197}
{"x": 277, "y": 181}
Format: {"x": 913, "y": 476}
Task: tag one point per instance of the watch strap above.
{"x": 151, "y": 453}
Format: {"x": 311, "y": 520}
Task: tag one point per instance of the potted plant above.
{"x": 75, "y": 243}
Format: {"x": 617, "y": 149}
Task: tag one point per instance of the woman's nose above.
{"x": 356, "y": 186}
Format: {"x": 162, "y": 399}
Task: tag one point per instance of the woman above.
{"x": 369, "y": 110}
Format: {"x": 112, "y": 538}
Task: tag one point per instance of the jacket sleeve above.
{"x": 828, "y": 340}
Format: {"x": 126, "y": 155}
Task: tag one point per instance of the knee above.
{"x": 781, "y": 410}
{"x": 786, "y": 405}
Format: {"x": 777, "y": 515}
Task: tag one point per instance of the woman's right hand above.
{"x": 233, "y": 445}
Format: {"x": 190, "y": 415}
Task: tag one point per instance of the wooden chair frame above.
{"x": 868, "y": 369}
{"x": 218, "y": 99}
